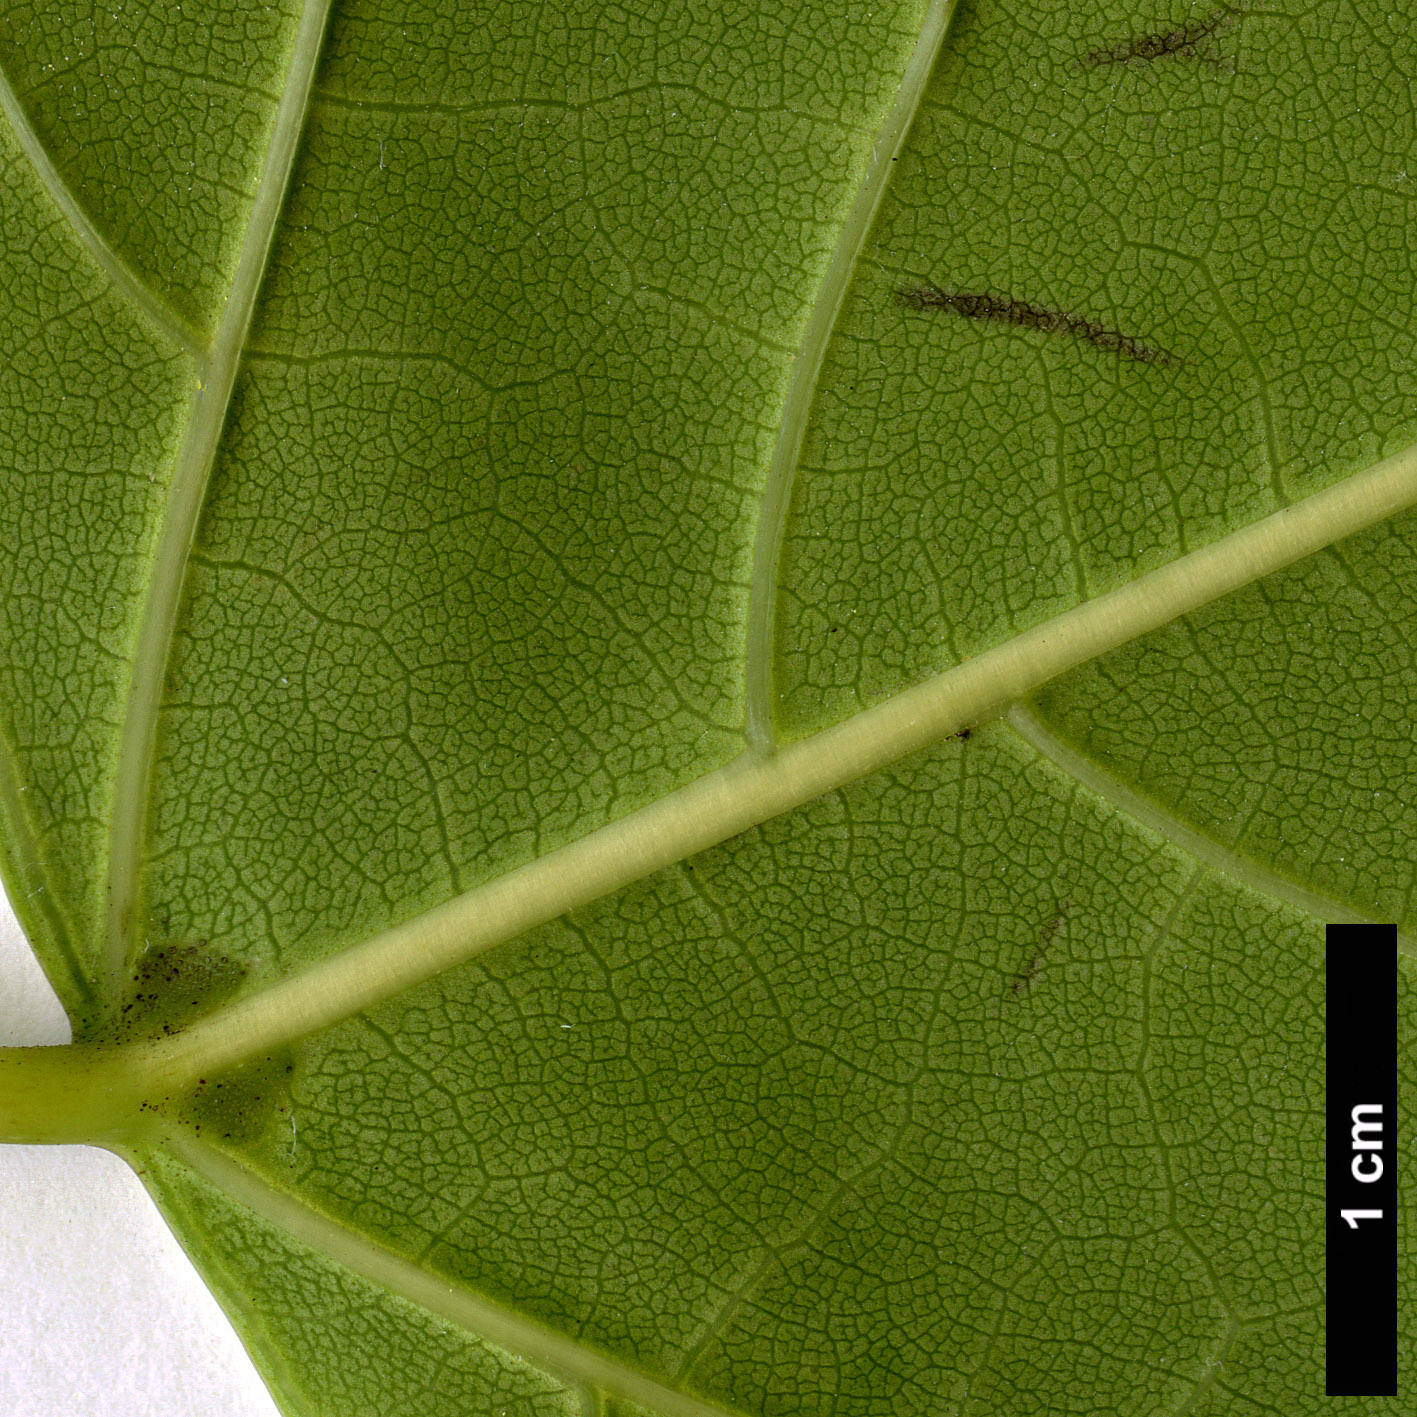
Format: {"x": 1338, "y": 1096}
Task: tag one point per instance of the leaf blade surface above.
{"x": 472, "y": 581}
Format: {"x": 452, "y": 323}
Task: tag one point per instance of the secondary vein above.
{"x": 807, "y": 368}
{"x": 758, "y": 786}
{"x": 561, "y": 1357}
{"x": 1205, "y": 849}
{"x": 177, "y": 329}
{"x": 206, "y": 416}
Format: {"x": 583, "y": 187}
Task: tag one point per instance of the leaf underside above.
{"x": 988, "y": 1084}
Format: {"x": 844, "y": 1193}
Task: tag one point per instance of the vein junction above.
{"x": 1082, "y": 769}
{"x": 807, "y": 368}
{"x": 172, "y": 325}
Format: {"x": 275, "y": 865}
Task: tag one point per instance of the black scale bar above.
{"x": 1361, "y": 1191}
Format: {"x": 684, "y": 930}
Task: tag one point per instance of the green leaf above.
{"x": 683, "y": 687}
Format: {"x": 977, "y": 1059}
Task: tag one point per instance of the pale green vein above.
{"x": 195, "y": 456}
{"x": 758, "y": 786}
{"x": 1206, "y": 850}
{"x": 574, "y": 1363}
{"x": 806, "y": 370}
{"x": 178, "y": 330}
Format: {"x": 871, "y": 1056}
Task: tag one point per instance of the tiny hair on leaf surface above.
{"x": 683, "y": 693}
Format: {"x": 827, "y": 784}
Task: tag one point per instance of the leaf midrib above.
{"x": 758, "y": 786}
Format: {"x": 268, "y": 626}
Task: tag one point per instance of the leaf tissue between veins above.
{"x": 1006, "y": 310}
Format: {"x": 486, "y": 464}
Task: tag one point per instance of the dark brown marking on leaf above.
{"x": 1184, "y": 42}
{"x": 1018, "y": 985}
{"x": 175, "y": 983}
{"x": 1004, "y": 309}
{"x": 249, "y": 1101}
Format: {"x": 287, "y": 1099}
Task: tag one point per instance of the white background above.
{"x": 101, "y": 1314}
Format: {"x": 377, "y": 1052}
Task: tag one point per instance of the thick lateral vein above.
{"x": 806, "y": 370}
{"x": 758, "y": 786}
{"x": 555, "y": 1354}
{"x": 205, "y": 418}
{"x": 178, "y": 330}
{"x": 1207, "y": 851}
